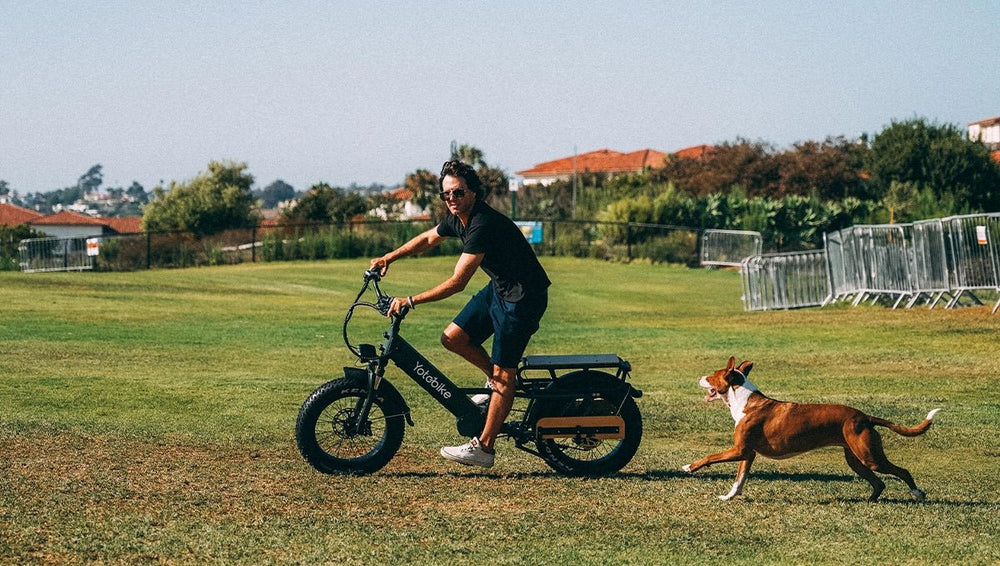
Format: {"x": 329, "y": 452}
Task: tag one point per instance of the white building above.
{"x": 986, "y": 131}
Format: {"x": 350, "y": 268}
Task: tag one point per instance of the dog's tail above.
{"x": 906, "y": 430}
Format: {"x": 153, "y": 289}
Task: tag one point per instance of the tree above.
{"x": 91, "y": 181}
{"x": 324, "y": 204}
{"x": 749, "y": 165}
{"x": 425, "y": 188}
{"x": 137, "y": 192}
{"x": 831, "y": 169}
{"x": 214, "y": 201}
{"x": 938, "y": 157}
{"x": 275, "y": 193}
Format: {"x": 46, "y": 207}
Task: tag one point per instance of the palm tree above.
{"x": 468, "y": 154}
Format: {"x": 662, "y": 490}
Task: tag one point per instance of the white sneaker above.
{"x": 482, "y": 399}
{"x": 471, "y": 454}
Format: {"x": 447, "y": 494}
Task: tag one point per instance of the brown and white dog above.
{"x": 779, "y": 429}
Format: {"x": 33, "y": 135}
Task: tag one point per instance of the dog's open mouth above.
{"x": 712, "y": 394}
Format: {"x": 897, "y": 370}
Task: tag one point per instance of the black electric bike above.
{"x": 569, "y": 410}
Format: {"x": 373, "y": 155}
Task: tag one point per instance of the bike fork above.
{"x": 364, "y": 405}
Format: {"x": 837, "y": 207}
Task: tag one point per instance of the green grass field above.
{"x": 149, "y": 417}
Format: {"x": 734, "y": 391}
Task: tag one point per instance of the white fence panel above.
{"x": 55, "y": 254}
{"x": 785, "y": 281}
{"x": 729, "y": 247}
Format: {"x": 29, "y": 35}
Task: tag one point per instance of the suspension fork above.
{"x": 376, "y": 370}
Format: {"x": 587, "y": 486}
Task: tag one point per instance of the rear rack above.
{"x": 552, "y": 364}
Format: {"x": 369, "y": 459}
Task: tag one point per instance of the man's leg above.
{"x": 503, "y": 399}
{"x": 456, "y": 340}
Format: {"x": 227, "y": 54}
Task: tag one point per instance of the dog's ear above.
{"x": 745, "y": 367}
{"x": 732, "y": 364}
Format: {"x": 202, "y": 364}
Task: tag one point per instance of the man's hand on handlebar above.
{"x": 381, "y": 265}
{"x": 398, "y": 307}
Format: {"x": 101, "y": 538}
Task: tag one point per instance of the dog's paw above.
{"x": 917, "y": 494}
{"x": 686, "y": 468}
{"x": 726, "y": 497}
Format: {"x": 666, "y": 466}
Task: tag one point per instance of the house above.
{"x": 404, "y": 208}
{"x": 986, "y": 131}
{"x": 12, "y": 215}
{"x": 68, "y": 224}
{"x": 605, "y": 161}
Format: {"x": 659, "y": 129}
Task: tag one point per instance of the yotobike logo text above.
{"x": 432, "y": 380}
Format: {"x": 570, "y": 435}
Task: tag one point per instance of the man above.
{"x": 508, "y": 308}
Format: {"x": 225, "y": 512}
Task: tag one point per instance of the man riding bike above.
{"x": 508, "y": 308}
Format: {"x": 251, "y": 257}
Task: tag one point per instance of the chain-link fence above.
{"x": 604, "y": 240}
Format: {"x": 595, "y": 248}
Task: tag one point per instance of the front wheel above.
{"x": 331, "y": 438}
{"x": 592, "y": 457}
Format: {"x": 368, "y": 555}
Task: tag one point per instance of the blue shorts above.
{"x": 510, "y": 324}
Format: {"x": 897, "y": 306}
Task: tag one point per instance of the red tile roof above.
{"x": 695, "y": 152}
{"x": 120, "y": 224}
{"x": 68, "y": 218}
{"x": 402, "y": 193}
{"x": 986, "y": 122}
{"x": 600, "y": 161}
{"x": 11, "y": 215}
{"x": 124, "y": 224}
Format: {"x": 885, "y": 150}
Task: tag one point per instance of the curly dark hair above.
{"x": 465, "y": 172}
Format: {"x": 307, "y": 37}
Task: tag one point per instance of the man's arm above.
{"x": 420, "y": 243}
{"x": 465, "y": 268}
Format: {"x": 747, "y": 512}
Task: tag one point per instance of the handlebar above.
{"x": 383, "y": 301}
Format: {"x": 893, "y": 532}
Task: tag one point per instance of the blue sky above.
{"x": 364, "y": 92}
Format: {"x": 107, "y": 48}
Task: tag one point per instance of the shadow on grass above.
{"x": 651, "y": 475}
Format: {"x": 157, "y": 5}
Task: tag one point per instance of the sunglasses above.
{"x": 457, "y": 193}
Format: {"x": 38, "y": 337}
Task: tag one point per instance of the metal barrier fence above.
{"x": 953, "y": 257}
{"x": 931, "y": 260}
{"x": 729, "y": 247}
{"x": 785, "y": 281}
{"x": 55, "y": 254}
{"x": 975, "y": 249}
{"x": 870, "y": 262}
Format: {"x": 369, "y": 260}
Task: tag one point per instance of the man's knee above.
{"x": 454, "y": 338}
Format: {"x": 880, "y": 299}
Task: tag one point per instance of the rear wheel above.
{"x": 591, "y": 457}
{"x": 331, "y": 438}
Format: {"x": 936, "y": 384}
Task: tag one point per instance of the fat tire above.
{"x": 559, "y": 454}
{"x": 321, "y": 410}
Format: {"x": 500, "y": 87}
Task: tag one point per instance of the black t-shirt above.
{"x": 507, "y": 257}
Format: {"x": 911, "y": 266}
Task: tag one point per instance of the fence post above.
{"x": 628, "y": 240}
{"x": 149, "y": 252}
{"x": 552, "y": 239}
{"x": 253, "y": 245}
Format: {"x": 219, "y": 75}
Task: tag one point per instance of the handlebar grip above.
{"x": 372, "y": 274}
{"x": 385, "y": 302}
